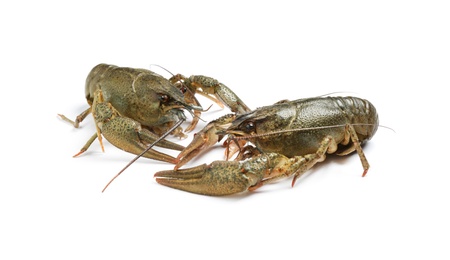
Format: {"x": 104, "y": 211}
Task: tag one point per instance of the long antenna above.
{"x": 146, "y": 150}
{"x": 161, "y": 67}
{"x": 244, "y": 137}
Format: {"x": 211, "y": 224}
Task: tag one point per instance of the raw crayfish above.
{"x": 133, "y": 108}
{"x": 289, "y": 138}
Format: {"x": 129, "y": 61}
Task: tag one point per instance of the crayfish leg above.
{"x": 355, "y": 145}
{"x": 306, "y": 162}
{"x": 282, "y": 166}
{"x": 79, "y": 118}
{"x": 87, "y": 145}
{"x": 358, "y": 148}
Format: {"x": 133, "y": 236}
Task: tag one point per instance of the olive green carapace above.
{"x": 135, "y": 93}
{"x": 311, "y": 114}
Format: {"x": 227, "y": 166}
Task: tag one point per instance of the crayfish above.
{"x": 135, "y": 109}
{"x": 289, "y": 138}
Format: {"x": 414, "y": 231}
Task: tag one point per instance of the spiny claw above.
{"x": 217, "y": 179}
{"x": 223, "y": 177}
{"x": 227, "y": 96}
{"x": 230, "y": 177}
{"x": 201, "y": 142}
{"x": 204, "y": 139}
{"x": 127, "y": 134}
{"x": 214, "y": 90}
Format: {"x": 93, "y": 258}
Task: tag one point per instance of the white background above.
{"x": 393, "y": 53}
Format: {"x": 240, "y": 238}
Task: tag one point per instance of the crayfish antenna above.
{"x": 146, "y": 150}
{"x": 161, "y": 67}
{"x": 337, "y": 92}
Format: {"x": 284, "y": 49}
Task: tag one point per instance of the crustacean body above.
{"x": 289, "y": 138}
{"x": 133, "y": 108}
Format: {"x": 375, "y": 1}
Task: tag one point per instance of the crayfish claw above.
{"x": 216, "y": 179}
{"x": 204, "y": 139}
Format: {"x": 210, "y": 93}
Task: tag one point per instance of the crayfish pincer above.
{"x": 274, "y": 142}
{"x": 135, "y": 108}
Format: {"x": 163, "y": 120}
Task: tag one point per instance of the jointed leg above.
{"x": 284, "y": 167}
{"x": 79, "y": 118}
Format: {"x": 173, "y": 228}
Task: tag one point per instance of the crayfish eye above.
{"x": 183, "y": 89}
{"x": 164, "y": 98}
{"x": 249, "y": 127}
